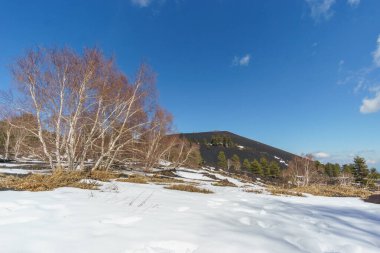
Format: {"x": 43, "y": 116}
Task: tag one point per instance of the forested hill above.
{"x": 211, "y": 143}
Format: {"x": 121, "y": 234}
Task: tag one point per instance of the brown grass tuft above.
{"x": 282, "y": 191}
{"x": 322, "y": 190}
{"x": 187, "y": 188}
{"x": 144, "y": 179}
{"x": 164, "y": 180}
{"x": 41, "y": 182}
{"x": 334, "y": 191}
{"x": 257, "y": 191}
{"x": 224, "y": 182}
{"x": 137, "y": 179}
{"x": 102, "y": 175}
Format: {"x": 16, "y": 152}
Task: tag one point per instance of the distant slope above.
{"x": 243, "y": 147}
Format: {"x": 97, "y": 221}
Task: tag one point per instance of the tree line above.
{"x": 304, "y": 170}
{"x": 261, "y": 168}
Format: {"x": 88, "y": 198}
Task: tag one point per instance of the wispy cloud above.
{"x": 321, "y": 9}
{"x": 365, "y": 80}
{"x": 241, "y": 61}
{"x": 376, "y": 53}
{"x": 320, "y": 155}
{"x": 371, "y": 105}
{"x": 353, "y": 3}
{"x": 141, "y": 3}
{"x": 343, "y": 157}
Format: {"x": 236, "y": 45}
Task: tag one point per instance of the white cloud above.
{"x": 353, "y": 3}
{"x": 371, "y": 105}
{"x": 241, "y": 61}
{"x": 141, "y": 3}
{"x": 321, "y": 9}
{"x": 321, "y": 155}
{"x": 376, "y": 53}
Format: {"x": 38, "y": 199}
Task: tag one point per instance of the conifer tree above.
{"x": 264, "y": 166}
{"x": 256, "y": 168}
{"x": 222, "y": 161}
{"x": 360, "y": 169}
{"x": 274, "y": 169}
{"x": 246, "y": 164}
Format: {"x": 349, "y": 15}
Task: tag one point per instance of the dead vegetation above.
{"x": 335, "y": 191}
{"x": 47, "y": 182}
{"x": 257, "y": 191}
{"x": 144, "y": 179}
{"x": 187, "y": 188}
{"x": 277, "y": 191}
{"x": 224, "y": 182}
{"x": 136, "y": 179}
{"x": 322, "y": 190}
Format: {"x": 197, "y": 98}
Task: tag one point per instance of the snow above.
{"x": 240, "y": 147}
{"x": 22, "y": 171}
{"x": 146, "y": 218}
{"x": 191, "y": 174}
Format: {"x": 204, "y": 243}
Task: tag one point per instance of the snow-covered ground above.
{"x": 138, "y": 218}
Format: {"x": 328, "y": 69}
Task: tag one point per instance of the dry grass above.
{"x": 102, "y": 175}
{"x": 257, "y": 191}
{"x": 282, "y": 191}
{"x": 323, "y": 190}
{"x": 136, "y": 179}
{"x": 144, "y": 179}
{"x": 164, "y": 180}
{"x": 187, "y": 188}
{"x": 335, "y": 191}
{"x": 224, "y": 182}
{"x": 41, "y": 182}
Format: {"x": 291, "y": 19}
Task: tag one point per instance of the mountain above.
{"x": 211, "y": 143}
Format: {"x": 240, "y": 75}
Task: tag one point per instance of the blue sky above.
{"x": 301, "y": 75}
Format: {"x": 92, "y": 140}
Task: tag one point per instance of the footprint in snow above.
{"x": 172, "y": 246}
{"x": 245, "y": 221}
{"x": 262, "y": 224}
{"x": 263, "y": 212}
{"x": 17, "y": 220}
{"x": 122, "y": 220}
{"x": 244, "y": 210}
{"x": 213, "y": 204}
{"x": 183, "y": 209}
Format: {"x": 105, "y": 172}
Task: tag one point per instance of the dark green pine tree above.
{"x": 256, "y": 168}
{"x": 360, "y": 169}
{"x": 246, "y": 164}
{"x": 274, "y": 169}
{"x": 222, "y": 161}
{"x": 348, "y": 169}
{"x": 265, "y": 166}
